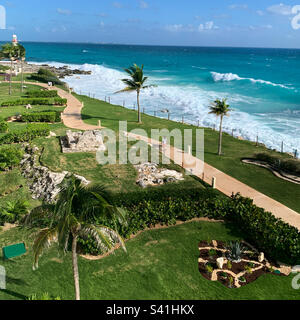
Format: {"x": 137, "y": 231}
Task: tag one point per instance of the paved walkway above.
{"x": 224, "y": 183}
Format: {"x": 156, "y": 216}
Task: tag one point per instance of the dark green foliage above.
{"x": 10, "y": 157}
{"x": 46, "y": 76}
{"x": 3, "y": 127}
{"x": 31, "y": 132}
{"x": 35, "y": 101}
{"x": 42, "y": 94}
{"x": 39, "y": 117}
{"x": 13, "y": 211}
{"x": 287, "y": 165}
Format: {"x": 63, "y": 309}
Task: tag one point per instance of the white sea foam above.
{"x": 192, "y": 102}
{"x": 231, "y": 77}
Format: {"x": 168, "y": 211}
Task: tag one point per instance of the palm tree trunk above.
{"x": 22, "y": 75}
{"x": 221, "y": 136}
{"x": 139, "y": 107}
{"x": 11, "y": 66}
{"x": 75, "y": 267}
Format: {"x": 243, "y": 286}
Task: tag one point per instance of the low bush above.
{"x": 34, "y": 101}
{"x": 3, "y": 127}
{"x": 42, "y": 94}
{"x": 39, "y": 117}
{"x": 287, "y": 165}
{"x": 45, "y": 76}
{"x": 277, "y": 239}
{"x": 31, "y": 132}
{"x": 13, "y": 211}
{"x": 10, "y": 156}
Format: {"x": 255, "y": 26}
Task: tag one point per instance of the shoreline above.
{"x": 70, "y": 70}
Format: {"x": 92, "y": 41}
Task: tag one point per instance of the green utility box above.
{"x": 13, "y": 251}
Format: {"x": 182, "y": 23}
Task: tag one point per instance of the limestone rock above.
{"x": 88, "y": 141}
{"x": 151, "y": 175}
{"x": 220, "y": 263}
{"x": 261, "y": 257}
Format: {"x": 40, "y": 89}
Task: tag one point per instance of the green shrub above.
{"x": 13, "y": 211}
{"x": 44, "y": 297}
{"x": 39, "y": 117}
{"x": 3, "y": 127}
{"x": 10, "y": 156}
{"x": 42, "y": 94}
{"x": 45, "y": 76}
{"x": 288, "y": 165}
{"x": 31, "y": 132}
{"x": 34, "y": 101}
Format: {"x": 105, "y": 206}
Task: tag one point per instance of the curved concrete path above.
{"x": 225, "y": 183}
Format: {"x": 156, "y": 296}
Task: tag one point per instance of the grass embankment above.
{"x": 160, "y": 264}
{"x": 234, "y": 150}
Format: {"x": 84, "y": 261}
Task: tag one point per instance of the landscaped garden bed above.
{"x": 235, "y": 264}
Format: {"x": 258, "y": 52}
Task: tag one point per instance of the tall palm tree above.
{"x": 72, "y": 217}
{"x": 221, "y": 109}
{"x": 9, "y": 51}
{"x": 21, "y": 55}
{"x": 136, "y": 83}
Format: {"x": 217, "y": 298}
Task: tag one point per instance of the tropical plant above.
{"x": 235, "y": 251}
{"x": 10, "y": 156}
{"x": 72, "y": 217}
{"x": 136, "y": 83}
{"x": 44, "y": 297}
{"x": 231, "y": 282}
{"x": 13, "y": 211}
{"x": 21, "y": 55}
{"x": 11, "y": 52}
{"x": 248, "y": 269}
{"x": 209, "y": 268}
{"x": 221, "y": 109}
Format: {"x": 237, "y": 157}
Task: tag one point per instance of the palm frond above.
{"x": 42, "y": 242}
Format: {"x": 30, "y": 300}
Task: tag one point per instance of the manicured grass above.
{"x": 234, "y": 150}
{"x": 160, "y": 264}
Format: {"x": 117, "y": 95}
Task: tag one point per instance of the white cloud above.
{"x": 281, "y": 9}
{"x": 238, "y": 6}
{"x": 175, "y": 27}
{"x": 65, "y": 12}
{"x": 144, "y": 5}
{"x": 260, "y": 12}
{"x": 210, "y": 25}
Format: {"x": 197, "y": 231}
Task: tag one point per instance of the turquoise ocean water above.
{"x": 262, "y": 85}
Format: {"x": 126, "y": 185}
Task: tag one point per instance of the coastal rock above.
{"x": 88, "y": 141}
{"x": 43, "y": 183}
{"x": 151, "y": 175}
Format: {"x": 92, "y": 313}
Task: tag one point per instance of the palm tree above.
{"x": 9, "y": 51}
{"x": 21, "y": 55}
{"x": 136, "y": 83}
{"x": 220, "y": 108}
{"x": 72, "y": 217}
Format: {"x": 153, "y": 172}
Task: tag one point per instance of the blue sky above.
{"x": 254, "y": 23}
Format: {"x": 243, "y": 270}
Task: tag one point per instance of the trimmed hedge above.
{"x": 39, "y": 117}
{"x": 35, "y": 101}
{"x": 277, "y": 239}
{"x": 42, "y": 94}
{"x": 31, "y": 132}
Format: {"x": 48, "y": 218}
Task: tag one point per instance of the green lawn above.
{"x": 259, "y": 178}
{"x": 160, "y": 264}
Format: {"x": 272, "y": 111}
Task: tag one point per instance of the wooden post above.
{"x": 189, "y": 150}
{"x": 198, "y": 123}
{"x": 105, "y": 98}
{"x": 144, "y": 110}
{"x": 168, "y": 115}
{"x": 257, "y": 141}
{"x": 296, "y": 153}
{"x": 232, "y": 133}
{"x": 214, "y": 182}
{"x": 99, "y": 123}
{"x": 182, "y": 119}
{"x": 109, "y": 100}
{"x": 123, "y": 104}
{"x": 154, "y": 113}
{"x": 282, "y": 146}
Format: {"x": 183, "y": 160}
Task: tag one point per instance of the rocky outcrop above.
{"x": 87, "y": 141}
{"x": 151, "y": 175}
{"x": 43, "y": 183}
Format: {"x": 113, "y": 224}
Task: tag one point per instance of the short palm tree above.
{"x": 9, "y": 51}
{"x": 72, "y": 217}
{"x": 220, "y": 108}
{"x": 136, "y": 83}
